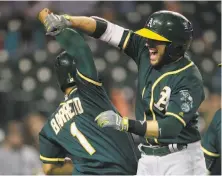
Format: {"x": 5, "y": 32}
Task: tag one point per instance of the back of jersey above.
{"x": 72, "y": 129}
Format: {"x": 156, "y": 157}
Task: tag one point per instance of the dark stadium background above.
{"x": 28, "y": 88}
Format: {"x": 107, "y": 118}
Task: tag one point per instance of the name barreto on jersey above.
{"x": 67, "y": 111}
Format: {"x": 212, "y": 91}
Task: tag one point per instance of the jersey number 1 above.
{"x": 83, "y": 141}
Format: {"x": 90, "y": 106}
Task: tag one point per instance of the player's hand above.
{"x": 54, "y": 24}
{"x": 112, "y": 120}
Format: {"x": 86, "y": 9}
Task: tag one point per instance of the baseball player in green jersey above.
{"x": 211, "y": 145}
{"x": 71, "y": 130}
{"x": 170, "y": 89}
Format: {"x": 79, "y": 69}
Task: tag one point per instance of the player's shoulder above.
{"x": 189, "y": 73}
{"x": 217, "y": 118}
{"x": 218, "y": 113}
{"x": 45, "y": 129}
{"x": 192, "y": 71}
{"x": 83, "y": 81}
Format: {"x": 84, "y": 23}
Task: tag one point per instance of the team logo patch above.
{"x": 186, "y": 101}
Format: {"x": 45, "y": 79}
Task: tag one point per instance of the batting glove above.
{"x": 112, "y": 120}
{"x": 54, "y": 24}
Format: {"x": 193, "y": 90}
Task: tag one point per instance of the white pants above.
{"x": 189, "y": 161}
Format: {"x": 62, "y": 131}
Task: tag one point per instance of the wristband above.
{"x": 137, "y": 127}
{"x": 101, "y": 26}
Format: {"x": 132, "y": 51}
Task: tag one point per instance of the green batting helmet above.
{"x": 65, "y": 69}
{"x": 170, "y": 27}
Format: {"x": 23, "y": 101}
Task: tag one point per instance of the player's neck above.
{"x": 69, "y": 89}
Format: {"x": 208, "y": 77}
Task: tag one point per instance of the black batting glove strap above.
{"x": 137, "y": 127}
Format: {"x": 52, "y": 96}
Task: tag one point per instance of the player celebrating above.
{"x": 71, "y": 130}
{"x": 211, "y": 145}
{"x": 170, "y": 89}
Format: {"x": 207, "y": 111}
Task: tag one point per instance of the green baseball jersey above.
{"x": 72, "y": 130}
{"x": 174, "y": 90}
{"x": 211, "y": 145}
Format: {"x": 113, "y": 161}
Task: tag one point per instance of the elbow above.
{"x": 169, "y": 133}
{"x": 169, "y": 128}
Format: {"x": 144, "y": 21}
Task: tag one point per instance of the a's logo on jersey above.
{"x": 186, "y": 101}
{"x": 164, "y": 99}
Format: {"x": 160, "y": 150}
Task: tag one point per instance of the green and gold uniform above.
{"x": 173, "y": 91}
{"x": 211, "y": 145}
{"x": 71, "y": 130}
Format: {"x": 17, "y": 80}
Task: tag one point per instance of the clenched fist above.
{"x": 112, "y": 120}
{"x": 53, "y": 23}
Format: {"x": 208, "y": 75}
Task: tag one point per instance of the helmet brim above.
{"x": 144, "y": 32}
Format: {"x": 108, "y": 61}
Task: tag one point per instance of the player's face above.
{"x": 156, "y": 50}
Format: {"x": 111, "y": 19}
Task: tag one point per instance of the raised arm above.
{"x": 117, "y": 36}
{"x": 74, "y": 44}
{"x": 99, "y": 28}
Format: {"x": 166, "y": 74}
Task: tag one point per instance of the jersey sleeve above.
{"x": 217, "y": 122}
{"x": 91, "y": 90}
{"x": 185, "y": 100}
{"x": 132, "y": 45}
{"x": 211, "y": 142}
{"x": 75, "y": 45}
{"x": 50, "y": 151}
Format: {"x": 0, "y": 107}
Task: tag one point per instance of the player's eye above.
{"x": 153, "y": 43}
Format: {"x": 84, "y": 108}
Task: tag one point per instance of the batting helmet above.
{"x": 65, "y": 70}
{"x": 170, "y": 27}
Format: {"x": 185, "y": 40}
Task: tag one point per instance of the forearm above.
{"x": 65, "y": 169}
{"x": 75, "y": 45}
{"x": 86, "y": 24}
{"x": 99, "y": 28}
{"x": 71, "y": 41}
{"x": 158, "y": 129}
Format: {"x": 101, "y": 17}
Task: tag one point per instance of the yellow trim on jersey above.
{"x": 51, "y": 159}
{"x": 155, "y": 140}
{"x": 143, "y": 91}
{"x": 178, "y": 117}
{"x": 144, "y": 116}
{"x": 159, "y": 79}
{"x": 209, "y": 153}
{"x": 144, "y": 32}
{"x": 88, "y": 79}
{"x": 73, "y": 90}
{"x": 62, "y": 103}
{"x": 126, "y": 40}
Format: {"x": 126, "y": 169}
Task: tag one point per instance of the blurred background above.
{"x": 28, "y": 88}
